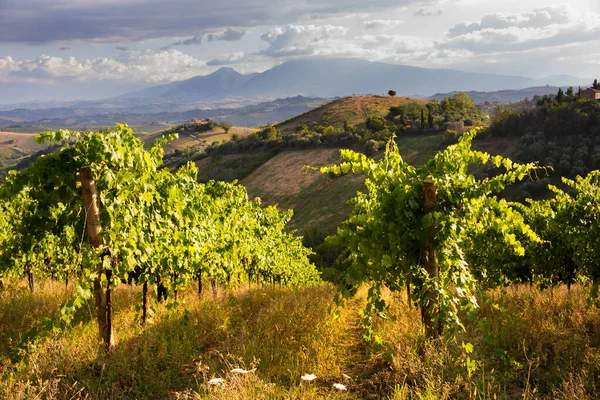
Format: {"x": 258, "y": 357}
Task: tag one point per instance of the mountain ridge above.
{"x": 330, "y": 77}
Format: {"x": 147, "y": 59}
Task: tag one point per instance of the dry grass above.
{"x": 354, "y": 109}
{"x": 317, "y": 200}
{"x": 527, "y": 344}
{"x": 185, "y": 141}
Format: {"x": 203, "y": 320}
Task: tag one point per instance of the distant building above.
{"x": 591, "y": 94}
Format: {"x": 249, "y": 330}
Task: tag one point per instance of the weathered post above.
{"x": 214, "y": 286}
{"x": 429, "y": 309}
{"x": 199, "y": 277}
{"x": 144, "y": 302}
{"x": 30, "y": 278}
{"x": 93, "y": 229}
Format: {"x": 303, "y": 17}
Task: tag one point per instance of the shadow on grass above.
{"x": 284, "y": 333}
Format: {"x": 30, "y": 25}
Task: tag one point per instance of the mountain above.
{"x": 323, "y": 77}
{"x": 218, "y": 84}
{"x": 312, "y": 77}
{"x": 343, "y": 77}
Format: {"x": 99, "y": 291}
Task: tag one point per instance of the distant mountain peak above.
{"x": 225, "y": 71}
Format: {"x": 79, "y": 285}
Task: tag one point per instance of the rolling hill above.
{"x": 280, "y": 177}
{"x": 353, "y": 110}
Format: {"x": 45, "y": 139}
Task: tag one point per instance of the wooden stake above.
{"x": 93, "y": 229}
{"x": 144, "y": 303}
{"x": 30, "y": 278}
{"x": 429, "y": 311}
{"x": 199, "y": 276}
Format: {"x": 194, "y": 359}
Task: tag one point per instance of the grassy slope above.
{"x": 529, "y": 345}
{"x": 14, "y": 146}
{"x": 355, "y": 110}
{"x": 318, "y": 200}
{"x": 188, "y": 142}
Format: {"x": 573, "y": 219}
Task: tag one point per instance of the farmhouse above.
{"x": 592, "y": 94}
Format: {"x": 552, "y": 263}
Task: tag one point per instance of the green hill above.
{"x": 353, "y": 110}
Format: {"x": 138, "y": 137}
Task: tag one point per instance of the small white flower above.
{"x": 309, "y": 377}
{"x": 242, "y": 371}
{"x": 216, "y": 381}
{"x": 339, "y": 386}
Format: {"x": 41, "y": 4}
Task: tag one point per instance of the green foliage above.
{"x": 563, "y": 135}
{"x": 388, "y": 229}
{"x": 415, "y": 117}
{"x": 155, "y": 224}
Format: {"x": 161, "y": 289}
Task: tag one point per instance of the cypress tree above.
{"x": 560, "y": 96}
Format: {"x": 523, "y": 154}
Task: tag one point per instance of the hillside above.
{"x": 353, "y": 109}
{"x": 195, "y": 137}
{"x": 16, "y": 146}
{"x": 145, "y": 116}
{"x": 504, "y": 96}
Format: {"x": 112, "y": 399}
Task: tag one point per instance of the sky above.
{"x": 84, "y": 49}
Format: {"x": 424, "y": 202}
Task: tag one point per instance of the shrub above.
{"x": 371, "y": 147}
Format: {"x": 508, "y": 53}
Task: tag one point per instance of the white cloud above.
{"x": 132, "y": 66}
{"x": 229, "y": 59}
{"x": 382, "y": 24}
{"x": 544, "y": 27}
{"x": 294, "y": 40}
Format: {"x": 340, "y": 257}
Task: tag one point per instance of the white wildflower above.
{"x": 216, "y": 381}
{"x": 242, "y": 371}
{"x": 309, "y": 377}
{"x": 339, "y": 386}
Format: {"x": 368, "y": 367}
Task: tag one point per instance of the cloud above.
{"x": 422, "y": 13}
{"x": 42, "y": 21}
{"x": 229, "y": 59}
{"x": 540, "y": 28}
{"x": 394, "y": 44}
{"x": 188, "y": 42}
{"x": 122, "y": 48}
{"x": 382, "y": 24}
{"x": 229, "y": 35}
{"x": 64, "y": 48}
{"x": 294, "y": 40}
{"x": 133, "y": 66}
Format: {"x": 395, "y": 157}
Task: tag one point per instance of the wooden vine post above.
{"x": 30, "y": 278}
{"x": 429, "y": 310}
{"x": 93, "y": 228}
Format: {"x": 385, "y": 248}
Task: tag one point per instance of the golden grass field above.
{"x": 528, "y": 344}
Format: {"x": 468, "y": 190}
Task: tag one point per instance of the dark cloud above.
{"x": 423, "y": 13}
{"x": 63, "y": 48}
{"x": 122, "y": 48}
{"x": 42, "y": 21}
{"x": 229, "y": 35}
{"x": 189, "y": 42}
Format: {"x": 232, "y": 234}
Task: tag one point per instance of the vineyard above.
{"x": 444, "y": 289}
{"x": 102, "y": 211}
